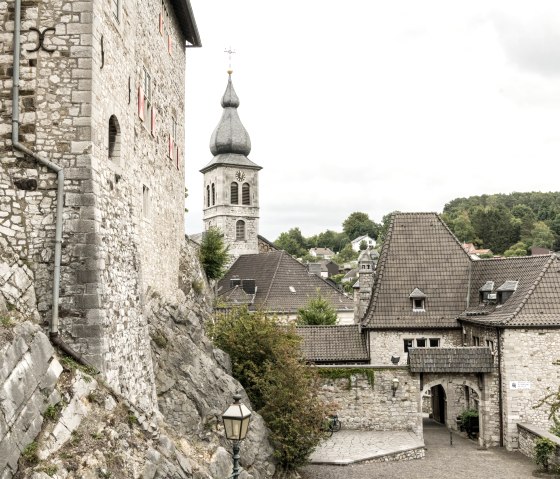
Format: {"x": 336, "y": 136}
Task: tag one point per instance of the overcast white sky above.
{"x": 375, "y": 106}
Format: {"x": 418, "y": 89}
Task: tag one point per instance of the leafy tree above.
{"x": 266, "y": 359}
{"x": 347, "y": 254}
{"x": 331, "y": 239}
{"x": 542, "y": 236}
{"x": 213, "y": 253}
{"x": 363, "y": 245}
{"x": 292, "y": 410}
{"x": 495, "y": 226}
{"x": 318, "y": 311}
{"x": 292, "y": 242}
{"x": 462, "y": 228}
{"x": 518, "y": 249}
{"x": 358, "y": 224}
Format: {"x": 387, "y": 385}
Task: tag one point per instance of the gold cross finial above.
{"x": 230, "y": 52}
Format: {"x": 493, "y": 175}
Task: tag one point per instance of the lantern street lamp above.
{"x": 236, "y": 424}
{"x": 395, "y": 386}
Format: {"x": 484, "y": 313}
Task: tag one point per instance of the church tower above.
{"x": 231, "y": 186}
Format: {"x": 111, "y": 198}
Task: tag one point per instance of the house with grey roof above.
{"x": 321, "y": 344}
{"x": 482, "y": 333}
{"x": 279, "y": 284}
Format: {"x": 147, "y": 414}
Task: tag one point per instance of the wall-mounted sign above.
{"x": 520, "y": 384}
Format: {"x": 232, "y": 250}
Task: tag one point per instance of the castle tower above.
{"x": 231, "y": 186}
{"x": 367, "y": 262}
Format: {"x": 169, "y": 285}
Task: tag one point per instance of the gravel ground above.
{"x": 462, "y": 460}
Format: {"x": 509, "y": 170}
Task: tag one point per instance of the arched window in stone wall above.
{"x": 240, "y": 231}
{"x": 114, "y": 138}
{"x": 234, "y": 193}
{"x": 246, "y": 194}
{"x": 213, "y": 194}
{"x": 207, "y": 195}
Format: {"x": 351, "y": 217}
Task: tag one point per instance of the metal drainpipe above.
{"x": 53, "y": 325}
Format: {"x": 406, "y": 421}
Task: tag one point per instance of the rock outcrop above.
{"x": 60, "y": 420}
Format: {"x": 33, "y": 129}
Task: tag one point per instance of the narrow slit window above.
{"x": 213, "y": 194}
{"x": 114, "y": 139}
{"x": 207, "y": 195}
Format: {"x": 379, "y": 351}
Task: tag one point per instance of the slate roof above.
{"x": 333, "y": 344}
{"x": 419, "y": 252}
{"x": 451, "y": 360}
{"x": 535, "y": 301}
{"x": 274, "y": 273}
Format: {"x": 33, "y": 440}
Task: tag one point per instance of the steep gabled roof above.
{"x": 332, "y": 344}
{"x": 283, "y": 283}
{"x": 419, "y": 252}
{"x": 535, "y": 301}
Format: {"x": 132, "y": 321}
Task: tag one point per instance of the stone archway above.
{"x": 456, "y": 388}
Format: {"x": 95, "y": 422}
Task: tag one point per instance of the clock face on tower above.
{"x": 240, "y": 175}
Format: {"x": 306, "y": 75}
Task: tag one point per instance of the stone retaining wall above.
{"x": 529, "y": 434}
{"x": 362, "y": 405}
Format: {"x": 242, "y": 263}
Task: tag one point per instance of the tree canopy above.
{"x": 213, "y": 253}
{"x": 318, "y": 311}
{"x": 359, "y": 224}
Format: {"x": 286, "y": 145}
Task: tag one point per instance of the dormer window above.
{"x": 418, "y": 299}
{"x": 506, "y": 290}
{"x": 485, "y": 293}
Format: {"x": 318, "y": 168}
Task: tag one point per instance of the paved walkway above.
{"x": 463, "y": 460}
{"x": 347, "y": 447}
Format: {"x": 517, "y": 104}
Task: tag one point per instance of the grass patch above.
{"x": 29, "y": 454}
{"x": 338, "y": 373}
{"x": 52, "y": 413}
{"x": 197, "y": 286}
{"x": 7, "y": 322}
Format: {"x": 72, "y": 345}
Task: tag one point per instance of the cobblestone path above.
{"x": 442, "y": 461}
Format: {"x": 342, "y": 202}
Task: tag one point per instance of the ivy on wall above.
{"x": 339, "y": 373}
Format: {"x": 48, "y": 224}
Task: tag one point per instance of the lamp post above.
{"x": 236, "y": 424}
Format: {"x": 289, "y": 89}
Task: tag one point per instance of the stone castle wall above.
{"x": 361, "y": 405}
{"x": 384, "y": 344}
{"x": 531, "y": 370}
{"x": 123, "y": 216}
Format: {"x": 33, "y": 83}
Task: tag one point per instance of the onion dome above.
{"x": 230, "y": 135}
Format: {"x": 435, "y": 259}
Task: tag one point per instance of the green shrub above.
{"x": 318, "y": 311}
{"x": 466, "y": 415}
{"x": 213, "y": 253}
{"x": 266, "y": 359}
{"x": 544, "y": 449}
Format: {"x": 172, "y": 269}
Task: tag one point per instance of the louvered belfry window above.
{"x": 234, "y": 193}
{"x": 240, "y": 231}
{"x": 246, "y": 194}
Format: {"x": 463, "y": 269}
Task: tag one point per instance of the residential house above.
{"x": 483, "y": 333}
{"x": 324, "y": 268}
{"x": 323, "y": 253}
{"x": 278, "y": 284}
{"x": 370, "y": 242}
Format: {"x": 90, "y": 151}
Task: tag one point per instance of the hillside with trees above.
{"x": 507, "y": 224}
